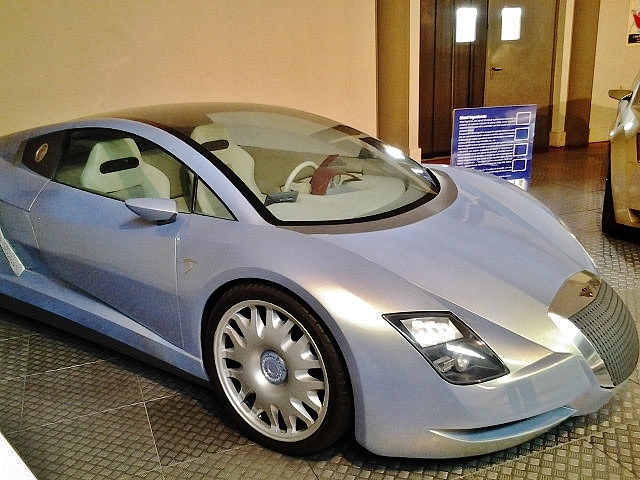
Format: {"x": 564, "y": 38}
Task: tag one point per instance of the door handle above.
{"x": 493, "y": 71}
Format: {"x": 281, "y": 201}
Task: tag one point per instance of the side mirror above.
{"x": 620, "y": 94}
{"x": 158, "y": 210}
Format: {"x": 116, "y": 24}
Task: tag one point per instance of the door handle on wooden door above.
{"x": 494, "y": 69}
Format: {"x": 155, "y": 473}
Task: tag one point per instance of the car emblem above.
{"x": 586, "y": 292}
{"x": 41, "y": 152}
{"x": 189, "y": 263}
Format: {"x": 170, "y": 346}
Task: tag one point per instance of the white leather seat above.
{"x": 215, "y": 138}
{"x": 116, "y": 168}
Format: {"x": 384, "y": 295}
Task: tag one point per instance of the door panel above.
{"x": 99, "y": 246}
{"x": 520, "y": 71}
{"x": 89, "y": 239}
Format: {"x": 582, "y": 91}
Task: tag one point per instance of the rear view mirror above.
{"x": 157, "y": 210}
{"x": 620, "y": 94}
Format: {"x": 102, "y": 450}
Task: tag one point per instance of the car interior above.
{"x": 115, "y": 167}
{"x": 335, "y": 180}
{"x": 123, "y": 167}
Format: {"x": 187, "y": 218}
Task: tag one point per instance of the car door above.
{"x": 89, "y": 239}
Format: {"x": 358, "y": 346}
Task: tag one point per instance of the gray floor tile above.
{"x": 76, "y": 391}
{"x": 189, "y": 427}
{"x": 107, "y": 445}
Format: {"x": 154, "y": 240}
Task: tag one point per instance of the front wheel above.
{"x": 277, "y": 370}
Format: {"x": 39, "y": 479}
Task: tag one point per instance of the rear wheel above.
{"x": 277, "y": 370}
{"x": 609, "y": 224}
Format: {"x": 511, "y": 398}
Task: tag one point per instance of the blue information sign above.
{"x": 497, "y": 140}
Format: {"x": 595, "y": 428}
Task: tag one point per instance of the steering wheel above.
{"x": 295, "y": 172}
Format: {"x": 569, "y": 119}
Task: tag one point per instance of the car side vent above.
{"x": 608, "y": 325}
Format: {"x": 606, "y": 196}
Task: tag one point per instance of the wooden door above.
{"x": 451, "y": 74}
{"x": 520, "y": 70}
{"x": 487, "y": 71}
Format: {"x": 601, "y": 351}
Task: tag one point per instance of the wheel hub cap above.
{"x": 273, "y": 367}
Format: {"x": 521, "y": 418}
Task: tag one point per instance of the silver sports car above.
{"x": 319, "y": 279}
{"x": 621, "y": 206}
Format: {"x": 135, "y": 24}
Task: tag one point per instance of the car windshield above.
{"x": 304, "y": 168}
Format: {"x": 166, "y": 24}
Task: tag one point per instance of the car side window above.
{"x": 120, "y": 165}
{"x": 208, "y": 203}
{"x": 42, "y": 154}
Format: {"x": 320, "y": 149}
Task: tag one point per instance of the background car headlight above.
{"x": 456, "y": 352}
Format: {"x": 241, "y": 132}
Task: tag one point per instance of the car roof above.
{"x": 190, "y": 114}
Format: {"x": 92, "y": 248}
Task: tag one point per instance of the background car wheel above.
{"x": 609, "y": 224}
{"x": 277, "y": 370}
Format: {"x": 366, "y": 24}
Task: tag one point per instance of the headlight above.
{"x": 456, "y": 353}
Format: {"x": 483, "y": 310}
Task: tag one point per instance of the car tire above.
{"x": 609, "y": 224}
{"x": 277, "y": 370}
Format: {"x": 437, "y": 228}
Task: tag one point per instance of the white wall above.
{"x": 61, "y": 59}
{"x": 616, "y": 65}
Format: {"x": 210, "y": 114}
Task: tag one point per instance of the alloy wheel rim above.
{"x": 271, "y": 371}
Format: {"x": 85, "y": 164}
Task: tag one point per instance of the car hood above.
{"x": 495, "y": 251}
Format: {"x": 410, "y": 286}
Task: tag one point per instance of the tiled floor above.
{"x": 75, "y": 410}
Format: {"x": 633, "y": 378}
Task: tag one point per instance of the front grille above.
{"x": 609, "y": 326}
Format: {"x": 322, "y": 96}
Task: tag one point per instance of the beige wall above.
{"x": 616, "y": 65}
{"x": 393, "y": 71}
{"x": 398, "y": 31}
{"x": 60, "y": 59}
